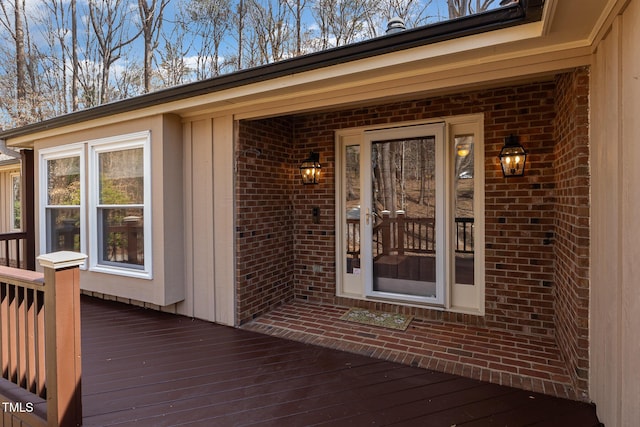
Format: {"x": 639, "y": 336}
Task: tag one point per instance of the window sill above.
{"x": 119, "y": 271}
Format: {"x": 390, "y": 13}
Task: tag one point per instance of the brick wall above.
{"x": 572, "y": 223}
{"x": 520, "y": 213}
{"x": 264, "y": 217}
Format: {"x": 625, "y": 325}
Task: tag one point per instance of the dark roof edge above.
{"x": 522, "y": 12}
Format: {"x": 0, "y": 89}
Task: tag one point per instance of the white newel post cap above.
{"x": 62, "y": 259}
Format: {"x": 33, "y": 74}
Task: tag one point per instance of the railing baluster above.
{"x": 4, "y": 331}
{"x": 18, "y": 263}
{"x": 41, "y": 389}
{"x": 31, "y": 346}
{"x": 22, "y": 337}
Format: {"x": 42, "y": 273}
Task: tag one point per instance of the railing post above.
{"x": 386, "y": 232}
{"x": 62, "y": 337}
{"x": 28, "y": 208}
{"x": 400, "y": 225}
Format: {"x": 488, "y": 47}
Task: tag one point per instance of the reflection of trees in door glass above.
{"x": 352, "y": 202}
{"x": 404, "y": 204}
{"x": 404, "y": 177}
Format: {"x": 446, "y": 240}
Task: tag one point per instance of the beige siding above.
{"x": 199, "y": 218}
{"x": 615, "y": 302}
{"x": 209, "y": 221}
{"x": 167, "y": 284}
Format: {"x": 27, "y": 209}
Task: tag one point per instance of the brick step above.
{"x": 501, "y": 357}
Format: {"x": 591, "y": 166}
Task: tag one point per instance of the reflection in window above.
{"x": 16, "y": 212}
{"x": 62, "y": 210}
{"x": 120, "y": 208}
{"x": 464, "y": 215}
{"x": 352, "y": 203}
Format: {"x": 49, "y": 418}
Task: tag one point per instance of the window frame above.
{"x": 118, "y": 143}
{"x": 13, "y": 176}
{"x": 55, "y": 153}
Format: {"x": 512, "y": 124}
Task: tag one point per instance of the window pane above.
{"x": 352, "y": 203}
{"x": 404, "y": 206}
{"x": 121, "y": 236}
{"x": 63, "y": 181}
{"x": 122, "y": 177}
{"x": 63, "y": 229}
{"x": 15, "y": 199}
{"x": 464, "y": 216}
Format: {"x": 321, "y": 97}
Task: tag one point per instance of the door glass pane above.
{"x": 404, "y": 208}
{"x": 464, "y": 216}
{"x": 352, "y": 203}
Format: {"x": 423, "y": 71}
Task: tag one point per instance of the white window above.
{"x": 117, "y": 230}
{"x": 62, "y": 199}
{"x": 410, "y": 214}
{"x": 119, "y": 205}
{"x": 16, "y": 205}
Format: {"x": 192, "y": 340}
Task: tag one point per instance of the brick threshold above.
{"x": 517, "y": 360}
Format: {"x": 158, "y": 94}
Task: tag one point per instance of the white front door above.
{"x": 403, "y": 210}
{"x": 409, "y": 214}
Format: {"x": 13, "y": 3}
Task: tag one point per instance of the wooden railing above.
{"x": 40, "y": 343}
{"x": 13, "y": 250}
{"x": 400, "y": 235}
{"x": 123, "y": 243}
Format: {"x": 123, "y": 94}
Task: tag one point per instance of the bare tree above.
{"x": 109, "y": 21}
{"x": 297, "y": 8}
{"x": 173, "y": 69}
{"x": 12, "y": 19}
{"x": 209, "y": 21}
{"x": 151, "y": 19}
{"x": 458, "y": 8}
{"x": 341, "y": 21}
{"x": 269, "y": 21}
{"x": 74, "y": 56}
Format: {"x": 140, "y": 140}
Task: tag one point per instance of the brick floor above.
{"x": 501, "y": 357}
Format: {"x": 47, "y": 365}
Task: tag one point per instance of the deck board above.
{"x": 142, "y": 367}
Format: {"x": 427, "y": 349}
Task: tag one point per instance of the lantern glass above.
{"x": 310, "y": 169}
{"x": 513, "y": 157}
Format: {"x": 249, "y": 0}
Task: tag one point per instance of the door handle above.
{"x": 367, "y": 217}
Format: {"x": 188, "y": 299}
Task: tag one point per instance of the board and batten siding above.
{"x": 615, "y": 295}
{"x": 209, "y": 219}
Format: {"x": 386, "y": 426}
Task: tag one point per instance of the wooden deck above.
{"x": 154, "y": 369}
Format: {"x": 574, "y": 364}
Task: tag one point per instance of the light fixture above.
{"x": 463, "y": 149}
{"x": 513, "y": 157}
{"x": 310, "y": 169}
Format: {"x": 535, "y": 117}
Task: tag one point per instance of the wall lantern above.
{"x": 310, "y": 169}
{"x": 513, "y": 157}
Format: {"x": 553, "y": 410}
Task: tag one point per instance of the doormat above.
{"x": 377, "y": 318}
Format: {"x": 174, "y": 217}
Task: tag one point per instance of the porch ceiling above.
{"x": 563, "y": 39}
